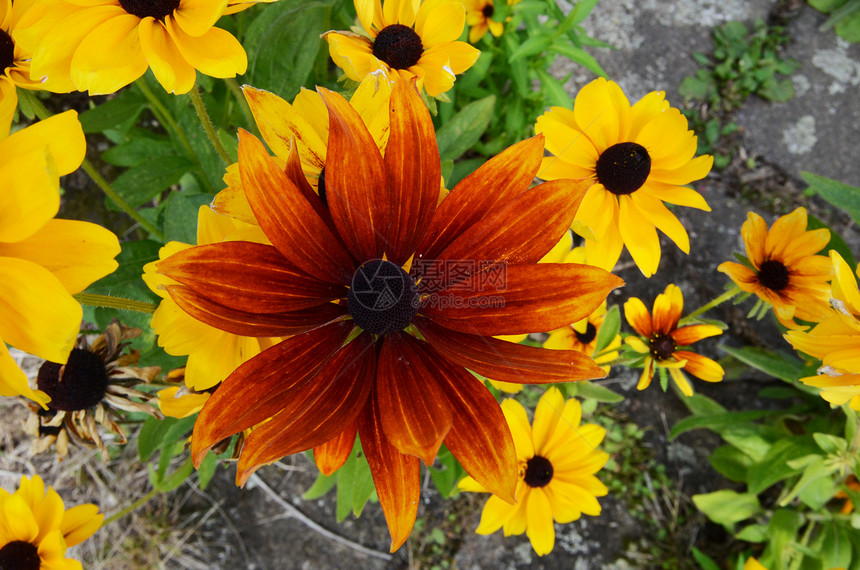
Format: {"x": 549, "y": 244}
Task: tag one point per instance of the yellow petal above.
{"x": 19, "y": 519}
{"x": 196, "y": 17}
{"x": 52, "y": 550}
{"x": 8, "y": 104}
{"x": 37, "y": 314}
{"x": 168, "y": 65}
{"x": 216, "y": 53}
{"x": 440, "y": 21}
{"x": 109, "y": 57}
{"x": 681, "y": 381}
{"x": 639, "y": 236}
{"x": 79, "y": 523}
{"x": 547, "y": 414}
{"x": 470, "y": 485}
{"x": 60, "y": 136}
{"x": 180, "y": 406}
{"x": 210, "y": 365}
{"x": 602, "y": 112}
{"x": 495, "y": 514}
{"x": 77, "y": 253}
{"x": 31, "y": 188}
{"x": 13, "y": 381}
{"x": 655, "y": 212}
{"x": 521, "y": 430}
{"x": 540, "y": 530}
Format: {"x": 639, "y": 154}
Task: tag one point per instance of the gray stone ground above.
{"x": 818, "y": 131}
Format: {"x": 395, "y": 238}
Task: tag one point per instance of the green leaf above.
{"x": 142, "y": 183}
{"x": 782, "y": 529}
{"x": 753, "y": 533}
{"x": 704, "y": 561}
{"x": 774, "y": 466}
{"x": 701, "y": 405}
{"x": 447, "y": 474}
{"x": 608, "y": 330}
{"x": 118, "y": 113}
{"x": 814, "y": 472}
{"x": 170, "y": 482}
{"x": 152, "y": 435}
{"x": 578, "y": 55}
{"x": 553, "y": 90}
{"x": 532, "y": 46}
{"x": 139, "y": 150}
{"x": 465, "y": 128}
{"x": 839, "y": 195}
{"x": 717, "y": 422}
{"x": 830, "y": 444}
{"x": 362, "y": 485}
{"x": 207, "y": 470}
{"x": 731, "y": 462}
{"x": 180, "y": 216}
{"x": 777, "y": 364}
{"x": 345, "y": 479}
{"x": 836, "y": 242}
{"x": 597, "y": 392}
{"x": 726, "y": 507}
{"x": 322, "y": 485}
{"x": 126, "y": 280}
{"x": 835, "y": 546}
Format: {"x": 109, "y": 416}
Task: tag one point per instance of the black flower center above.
{"x": 79, "y": 384}
{"x": 662, "y": 346}
{"x": 19, "y": 555}
{"x": 321, "y": 187}
{"x": 773, "y": 275}
{"x": 398, "y": 46}
{"x": 158, "y": 9}
{"x": 7, "y": 52}
{"x": 383, "y": 298}
{"x": 538, "y": 472}
{"x": 588, "y": 335}
{"x": 488, "y": 10}
{"x": 623, "y": 168}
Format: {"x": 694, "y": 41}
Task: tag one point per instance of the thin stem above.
{"x": 707, "y": 307}
{"x": 43, "y": 113}
{"x": 108, "y": 302}
{"x": 164, "y": 116}
{"x": 206, "y": 121}
{"x": 118, "y": 515}
{"x": 236, "y": 90}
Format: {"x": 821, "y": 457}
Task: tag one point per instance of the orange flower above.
{"x": 663, "y": 340}
{"x": 375, "y": 349}
{"x": 785, "y": 270}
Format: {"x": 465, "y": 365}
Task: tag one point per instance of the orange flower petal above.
{"x": 255, "y": 390}
{"x": 495, "y": 182}
{"x": 507, "y": 361}
{"x": 668, "y": 307}
{"x": 638, "y": 317}
{"x": 479, "y": 438}
{"x": 243, "y": 323}
{"x": 357, "y": 193}
{"x": 685, "y": 336}
{"x": 287, "y": 218}
{"x": 249, "y": 277}
{"x": 700, "y": 366}
{"x": 314, "y": 411}
{"x": 395, "y": 475}
{"x": 331, "y": 455}
{"x": 522, "y": 304}
{"x": 413, "y": 168}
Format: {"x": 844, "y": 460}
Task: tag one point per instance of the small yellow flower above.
{"x": 406, "y": 38}
{"x": 836, "y": 341}
{"x": 479, "y": 18}
{"x": 557, "y": 458}
{"x": 100, "y": 46}
{"x": 786, "y": 273}
{"x": 663, "y": 340}
{"x": 36, "y": 529}
{"x": 43, "y": 261}
{"x": 638, "y": 157}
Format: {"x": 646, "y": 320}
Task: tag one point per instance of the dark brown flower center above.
{"x": 19, "y": 555}
{"x": 662, "y": 346}
{"x": 398, "y": 46}
{"x": 79, "y": 384}
{"x": 158, "y": 9}
{"x": 623, "y": 168}
{"x": 488, "y": 10}
{"x": 588, "y": 335}
{"x": 383, "y": 298}
{"x": 7, "y": 52}
{"x": 321, "y": 187}
{"x": 538, "y": 472}
{"x": 773, "y": 275}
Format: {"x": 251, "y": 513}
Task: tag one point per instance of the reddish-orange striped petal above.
{"x": 250, "y": 277}
{"x": 255, "y": 391}
{"x": 314, "y": 411}
{"x": 413, "y": 168}
{"x": 496, "y": 182}
{"x": 395, "y": 475}
{"x": 506, "y": 361}
{"x": 685, "y": 336}
{"x": 523, "y": 229}
{"x": 287, "y": 218}
{"x": 479, "y": 437}
{"x": 413, "y": 409}
{"x": 522, "y": 303}
{"x": 243, "y": 323}
{"x": 296, "y": 174}
{"x": 331, "y": 455}
{"x": 356, "y": 185}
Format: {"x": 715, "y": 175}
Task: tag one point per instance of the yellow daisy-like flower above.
{"x": 836, "y": 341}
{"x": 479, "y": 18}
{"x": 100, "y": 46}
{"x": 36, "y": 529}
{"x": 43, "y": 261}
{"x": 582, "y": 336}
{"x": 638, "y": 156}
{"x": 663, "y": 340}
{"x": 785, "y": 271}
{"x": 212, "y": 353}
{"x": 406, "y": 38}
{"x": 558, "y": 458}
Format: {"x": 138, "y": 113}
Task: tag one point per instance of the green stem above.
{"x": 108, "y": 302}
{"x": 164, "y": 116}
{"x": 206, "y": 121}
{"x": 236, "y": 90}
{"x": 43, "y": 113}
{"x": 707, "y": 307}
{"x": 130, "y": 508}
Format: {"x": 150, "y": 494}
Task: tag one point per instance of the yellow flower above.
{"x": 36, "y": 529}
{"x": 212, "y": 353}
{"x": 663, "y": 340}
{"x": 43, "y": 261}
{"x": 234, "y": 6}
{"x": 786, "y": 272}
{"x": 479, "y": 17}
{"x": 638, "y": 157}
{"x": 101, "y": 46}
{"x": 557, "y": 458}
{"x": 836, "y": 341}
{"x": 406, "y": 38}
{"x": 179, "y": 402}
